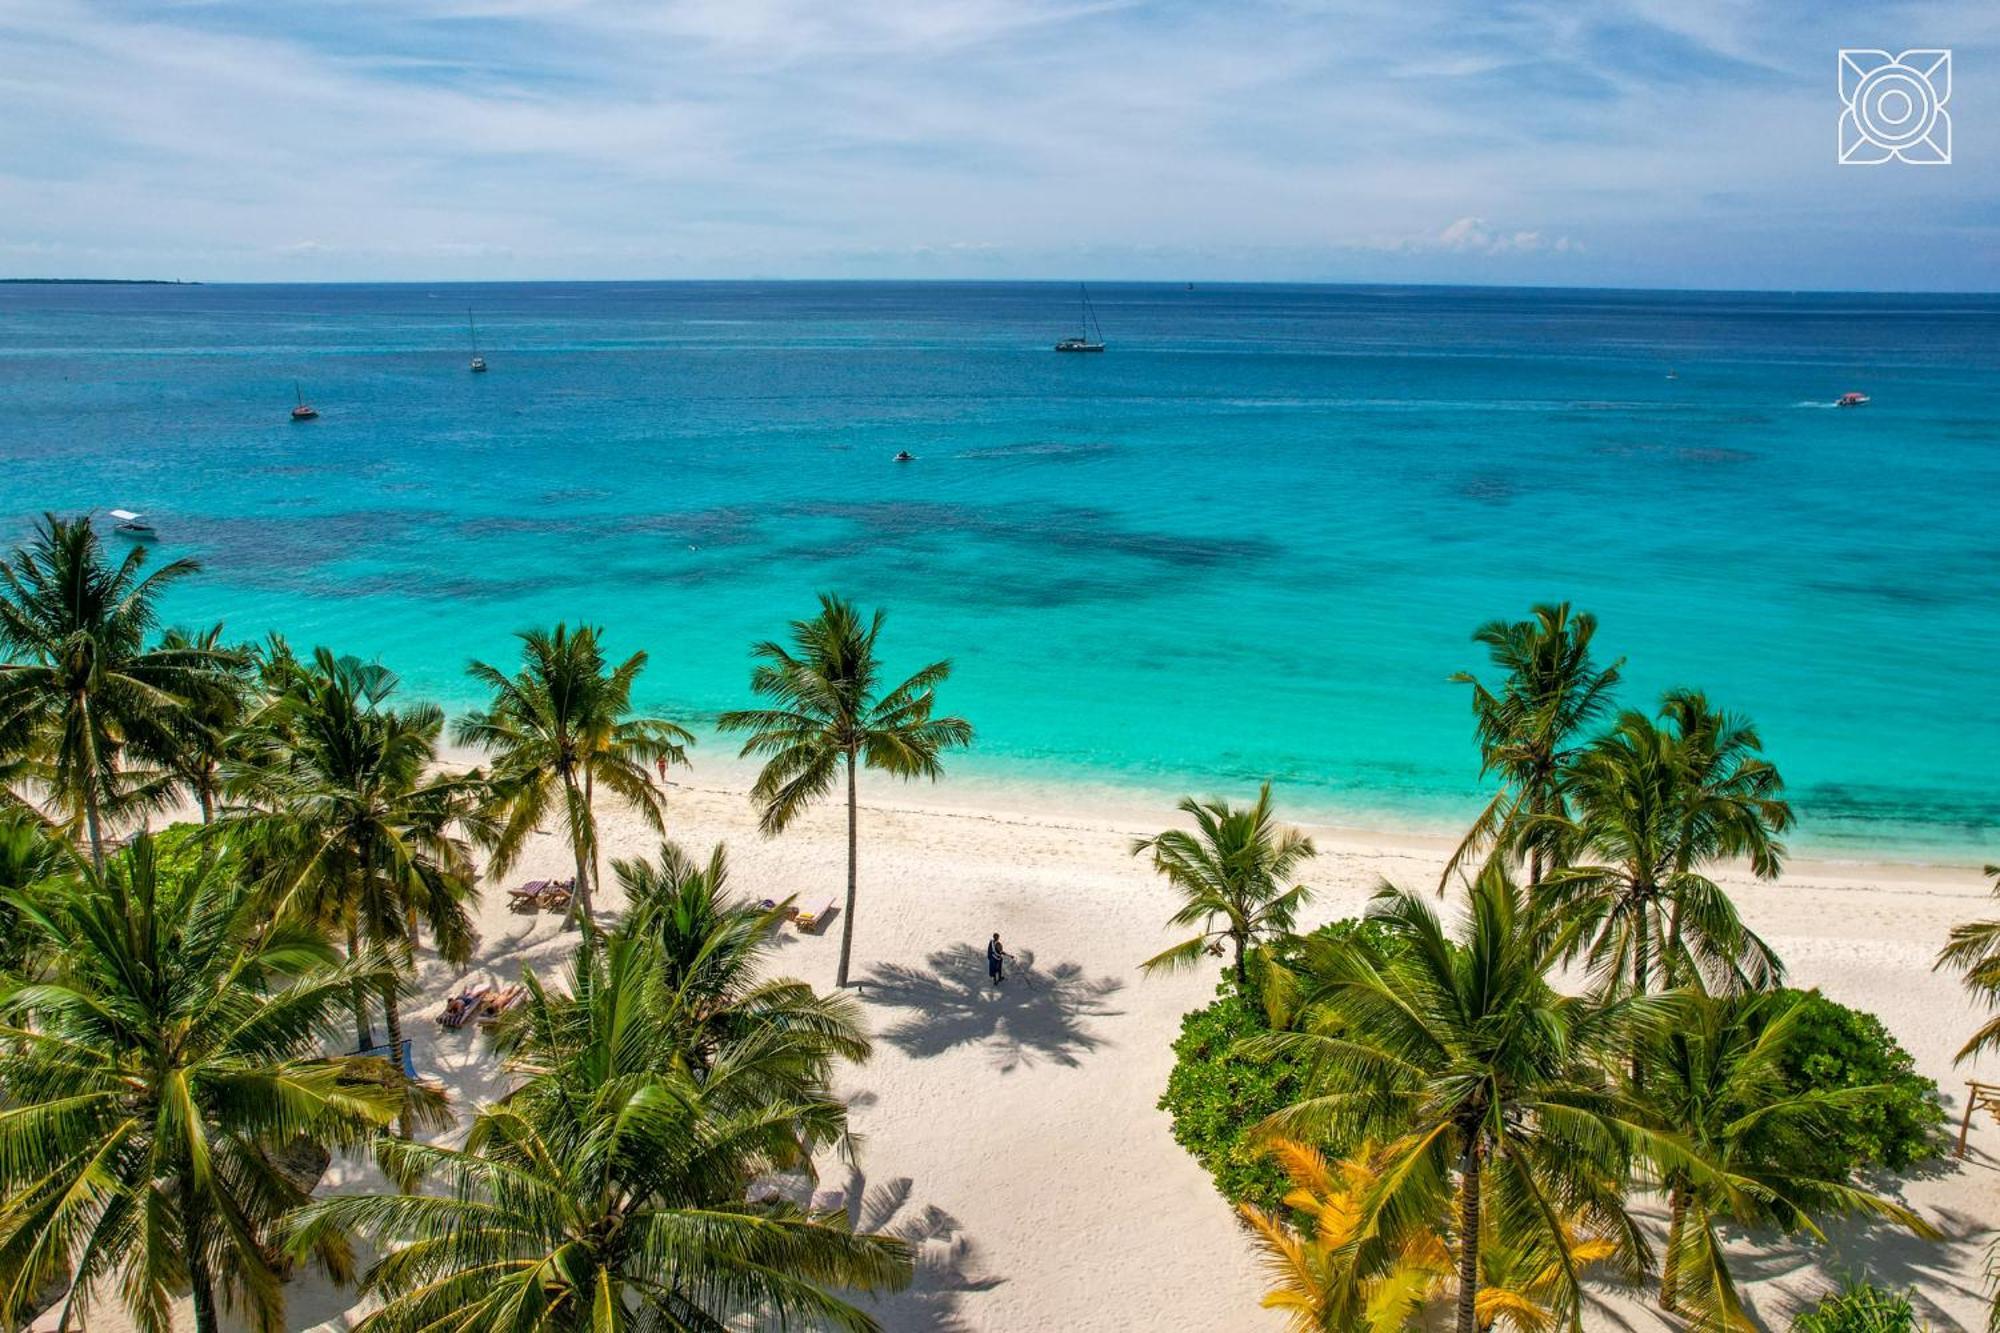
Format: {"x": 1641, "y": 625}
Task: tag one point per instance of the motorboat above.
{"x": 134, "y": 525}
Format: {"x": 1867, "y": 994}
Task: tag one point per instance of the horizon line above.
{"x": 1172, "y": 283}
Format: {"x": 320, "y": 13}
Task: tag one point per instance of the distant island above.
{"x": 99, "y": 282}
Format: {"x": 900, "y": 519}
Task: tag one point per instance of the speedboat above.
{"x": 1850, "y": 400}
{"x": 906, "y": 456}
{"x": 134, "y": 526}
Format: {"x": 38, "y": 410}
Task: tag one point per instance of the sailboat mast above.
{"x": 473, "y": 329}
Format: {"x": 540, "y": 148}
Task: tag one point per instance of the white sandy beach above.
{"x": 1016, "y": 1131}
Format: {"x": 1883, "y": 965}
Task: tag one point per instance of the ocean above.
{"x": 1249, "y": 541}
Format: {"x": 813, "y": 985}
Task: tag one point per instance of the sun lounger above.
{"x": 381, "y": 1052}
{"x": 786, "y": 909}
{"x": 528, "y": 897}
{"x": 813, "y": 920}
{"x": 557, "y": 897}
{"x": 460, "y": 1008}
{"x": 501, "y": 1002}
{"x": 1979, "y": 1097}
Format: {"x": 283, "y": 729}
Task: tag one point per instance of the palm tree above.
{"x": 608, "y": 1190}
{"x": 81, "y": 688}
{"x": 1973, "y": 949}
{"x": 1478, "y": 1077}
{"x": 1230, "y": 873}
{"x": 1715, "y": 1081}
{"x": 206, "y": 725}
{"x": 1651, "y": 808}
{"x": 1313, "y": 1271}
{"x": 829, "y": 715}
{"x": 357, "y": 832}
{"x": 557, "y": 730}
{"x": 1552, "y": 690}
{"x": 152, "y": 1087}
{"x": 709, "y": 953}
{"x": 30, "y": 852}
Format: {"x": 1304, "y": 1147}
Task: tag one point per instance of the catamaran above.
{"x": 305, "y": 411}
{"x": 1084, "y": 342}
{"x": 478, "y": 361}
{"x": 134, "y": 525}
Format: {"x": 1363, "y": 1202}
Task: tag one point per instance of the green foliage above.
{"x": 1835, "y": 1047}
{"x": 1859, "y": 1308}
{"x": 1215, "y": 1095}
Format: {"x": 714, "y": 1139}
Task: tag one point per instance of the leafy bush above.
{"x": 1217, "y": 1094}
{"x": 1859, "y": 1308}
{"x": 1835, "y": 1047}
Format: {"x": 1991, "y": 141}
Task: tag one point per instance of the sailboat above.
{"x": 478, "y": 361}
{"x": 1084, "y": 342}
{"x": 304, "y": 411}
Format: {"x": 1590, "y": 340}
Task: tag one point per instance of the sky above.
{"x": 1645, "y": 143}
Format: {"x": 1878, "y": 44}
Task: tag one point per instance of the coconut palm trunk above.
{"x": 201, "y": 1279}
{"x": 1641, "y": 967}
{"x": 93, "y": 816}
{"x": 1670, "y": 1263}
{"x": 581, "y": 840}
{"x": 853, "y": 855}
{"x": 392, "y": 1019}
{"x": 361, "y": 1033}
{"x": 94, "y": 824}
{"x": 1467, "y": 1320}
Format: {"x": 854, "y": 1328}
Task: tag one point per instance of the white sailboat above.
{"x": 478, "y": 361}
{"x": 1084, "y": 341}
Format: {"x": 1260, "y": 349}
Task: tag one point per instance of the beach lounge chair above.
{"x": 528, "y": 896}
{"x": 460, "y": 1008}
{"x": 501, "y": 1002}
{"x": 381, "y": 1052}
{"x": 813, "y": 920}
{"x": 1979, "y": 1097}
{"x": 558, "y": 895}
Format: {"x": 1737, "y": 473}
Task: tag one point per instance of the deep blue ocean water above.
{"x": 1249, "y": 540}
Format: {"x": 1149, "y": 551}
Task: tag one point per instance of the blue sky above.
{"x": 1676, "y": 143}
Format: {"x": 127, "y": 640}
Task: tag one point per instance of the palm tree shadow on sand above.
{"x": 1037, "y": 1015}
{"x": 947, "y": 1262}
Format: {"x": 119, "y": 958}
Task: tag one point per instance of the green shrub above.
{"x": 1859, "y": 1308}
{"x": 1217, "y": 1094}
{"x": 1835, "y": 1047}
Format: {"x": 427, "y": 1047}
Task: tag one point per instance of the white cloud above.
{"x": 1473, "y": 236}
{"x": 1277, "y": 138}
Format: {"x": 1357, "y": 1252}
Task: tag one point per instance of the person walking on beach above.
{"x": 996, "y": 959}
{"x": 661, "y": 764}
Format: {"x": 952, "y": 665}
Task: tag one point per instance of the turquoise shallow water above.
{"x": 1250, "y": 540}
